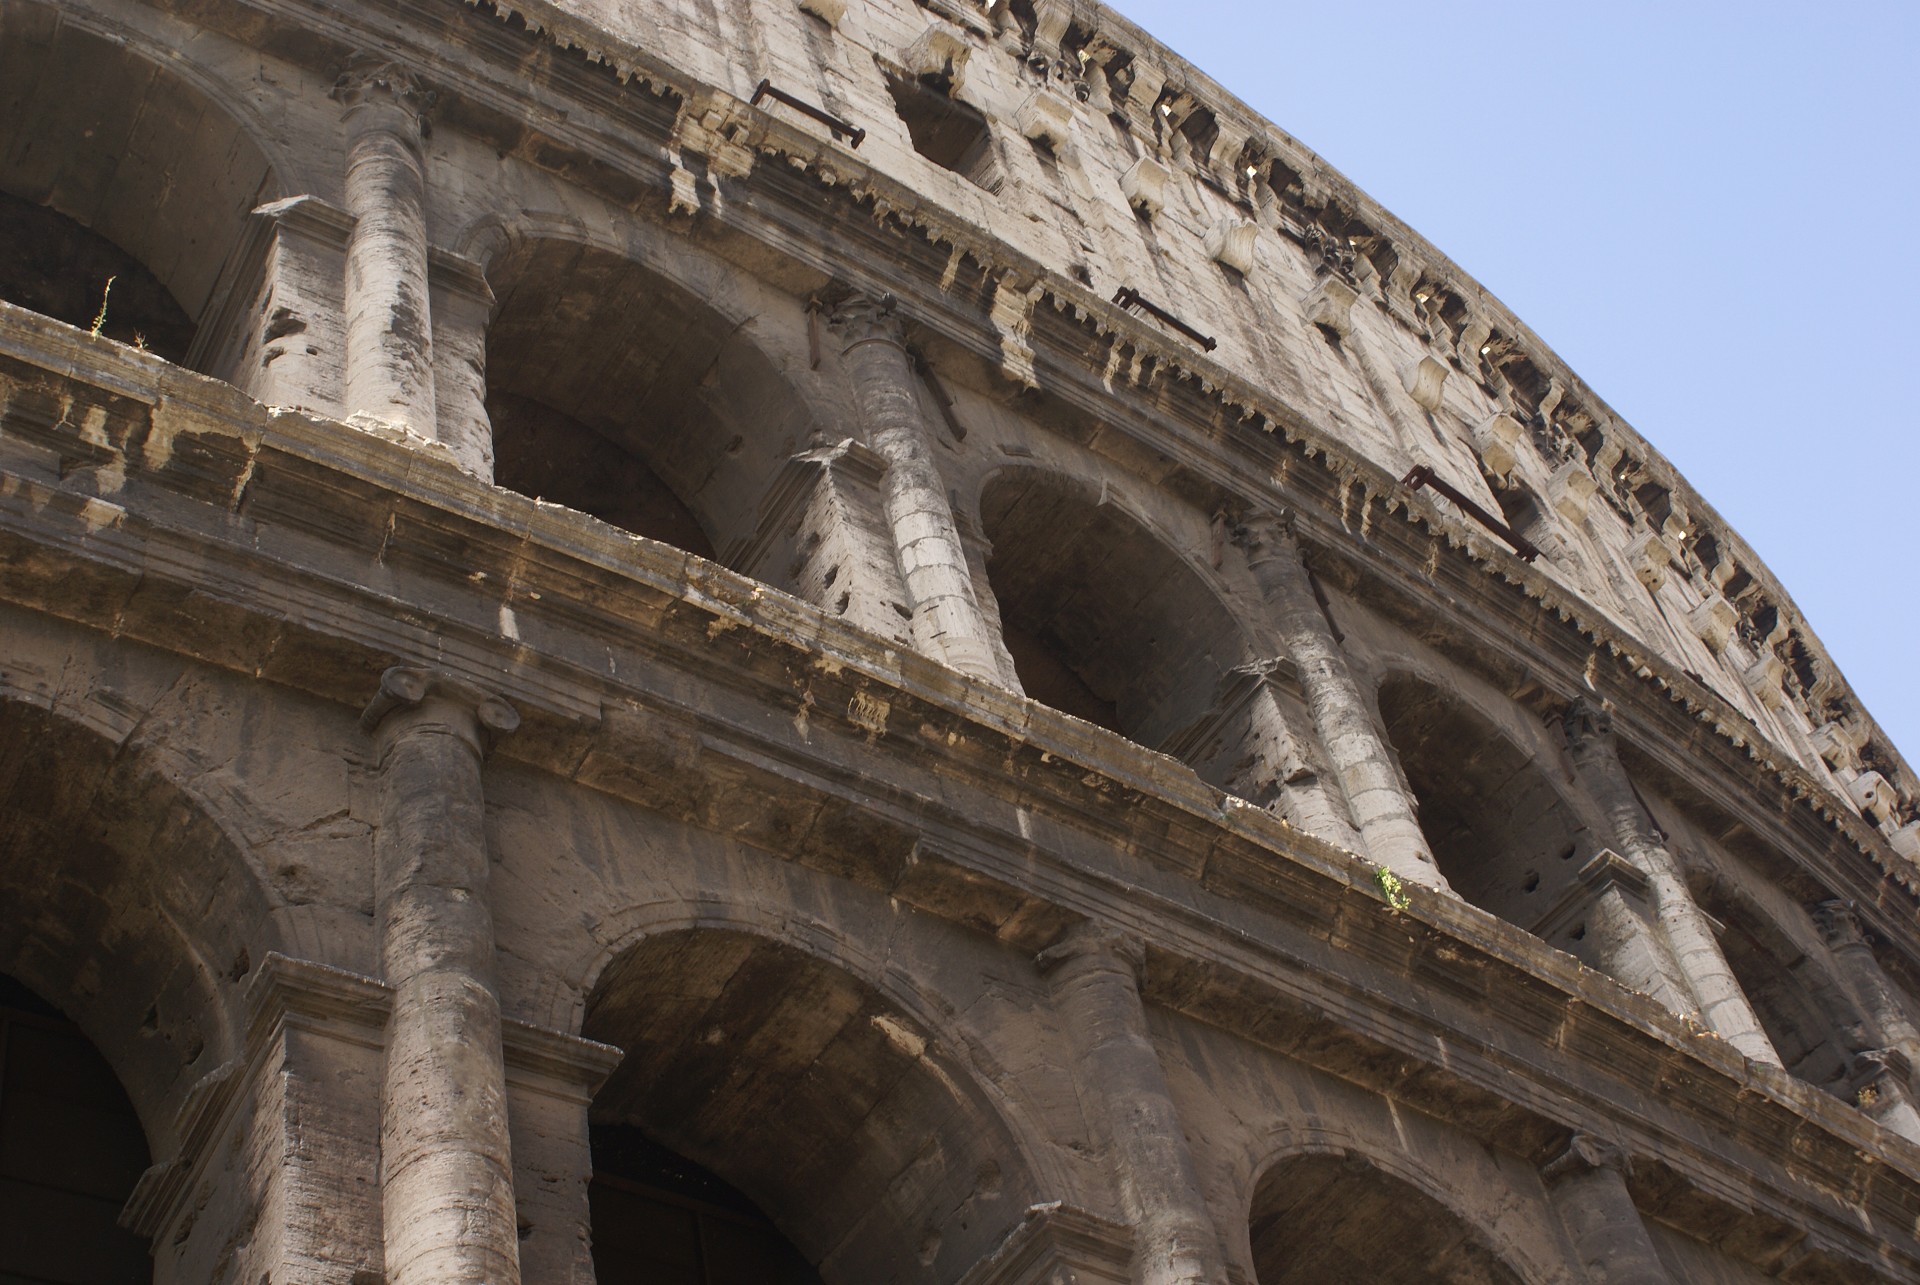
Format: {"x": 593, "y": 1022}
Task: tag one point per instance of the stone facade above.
{"x": 870, "y": 640}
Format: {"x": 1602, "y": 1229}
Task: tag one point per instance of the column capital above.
{"x": 1101, "y": 944}
{"x": 867, "y": 318}
{"x": 1587, "y": 724}
{"x": 1583, "y": 1154}
{"x": 1265, "y": 531}
{"x": 371, "y": 81}
{"x": 405, "y": 688}
{"x": 1839, "y": 923}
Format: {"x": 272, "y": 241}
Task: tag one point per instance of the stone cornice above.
{"x": 200, "y": 492}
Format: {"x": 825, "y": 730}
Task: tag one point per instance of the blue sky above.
{"x": 1707, "y": 209}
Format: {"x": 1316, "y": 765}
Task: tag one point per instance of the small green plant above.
{"x": 1392, "y": 889}
{"x": 100, "y": 318}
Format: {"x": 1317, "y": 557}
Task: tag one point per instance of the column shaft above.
{"x": 1096, "y": 981}
{"x": 1342, "y": 715}
{"x": 1723, "y": 1005}
{"x": 446, "y": 1171}
{"x": 947, "y": 621}
{"x": 1589, "y": 1192}
{"x": 389, "y": 321}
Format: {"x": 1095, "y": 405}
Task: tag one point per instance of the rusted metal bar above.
{"x": 924, "y": 369}
{"x": 841, "y": 129}
{"x": 1423, "y": 475}
{"x": 1128, "y": 297}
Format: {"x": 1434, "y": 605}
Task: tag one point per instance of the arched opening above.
{"x": 777, "y": 1117}
{"x": 1331, "y": 1219}
{"x": 617, "y": 392}
{"x": 124, "y": 904}
{"x": 1803, "y": 1011}
{"x": 113, "y": 167}
{"x": 71, "y": 1151}
{"x": 1103, "y": 620}
{"x": 1501, "y": 834}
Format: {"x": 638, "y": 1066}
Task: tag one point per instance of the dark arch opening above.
{"x": 123, "y": 903}
{"x": 1334, "y": 1219}
{"x": 115, "y": 167}
{"x": 621, "y": 394}
{"x": 71, "y": 1151}
{"x": 1103, "y": 620}
{"x": 765, "y": 1090}
{"x": 1802, "y": 1012}
{"x": 1500, "y": 832}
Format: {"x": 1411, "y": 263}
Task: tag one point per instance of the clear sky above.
{"x": 1707, "y": 209}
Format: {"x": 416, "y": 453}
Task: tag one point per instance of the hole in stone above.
{"x": 1531, "y": 882}
{"x": 952, "y": 134}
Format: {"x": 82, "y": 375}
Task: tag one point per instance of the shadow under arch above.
{"x": 1330, "y": 1216}
{"x": 125, "y": 904}
{"x": 620, "y": 392}
{"x": 114, "y": 165}
{"x": 72, "y": 1152}
{"x": 1501, "y": 833}
{"x": 1104, "y": 620}
{"x": 802, "y": 1090}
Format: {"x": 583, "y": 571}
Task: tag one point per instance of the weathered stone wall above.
{"x": 1009, "y": 781}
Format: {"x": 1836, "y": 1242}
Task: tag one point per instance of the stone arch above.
{"x": 1104, "y": 617}
{"x": 1325, "y": 1212}
{"x": 119, "y": 161}
{"x": 810, "y": 1088}
{"x": 624, "y": 388}
{"x": 1501, "y": 831}
{"x": 1808, "y": 1016}
{"x": 125, "y": 903}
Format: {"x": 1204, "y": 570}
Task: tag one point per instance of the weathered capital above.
{"x": 1265, "y": 533}
{"x": 1588, "y": 725}
{"x": 405, "y": 687}
{"x": 1104, "y": 945}
{"x": 865, "y": 318}
{"x": 373, "y": 83}
{"x": 1838, "y": 924}
{"x": 1585, "y": 1153}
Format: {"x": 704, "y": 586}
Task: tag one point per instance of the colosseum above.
{"x": 857, "y": 641}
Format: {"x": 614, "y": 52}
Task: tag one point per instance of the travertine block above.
{"x": 1570, "y": 490}
{"x": 1424, "y": 380}
{"x": 1330, "y": 304}
{"x": 1650, "y": 557}
{"x": 1232, "y": 242}
{"x": 1713, "y": 621}
{"x": 1145, "y": 185}
{"x": 1872, "y": 794}
{"x": 1046, "y": 117}
{"x": 939, "y": 51}
{"x": 1496, "y": 439}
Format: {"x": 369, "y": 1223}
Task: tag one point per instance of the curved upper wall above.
{"x": 1064, "y": 137}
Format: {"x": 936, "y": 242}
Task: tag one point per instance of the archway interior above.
{"x": 1102, "y": 619}
{"x": 1335, "y": 1219}
{"x": 1500, "y": 832}
{"x": 619, "y": 393}
{"x": 1804, "y": 1030}
{"x": 111, "y": 166}
{"x": 790, "y": 1091}
{"x": 71, "y": 1151}
{"x": 122, "y": 903}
